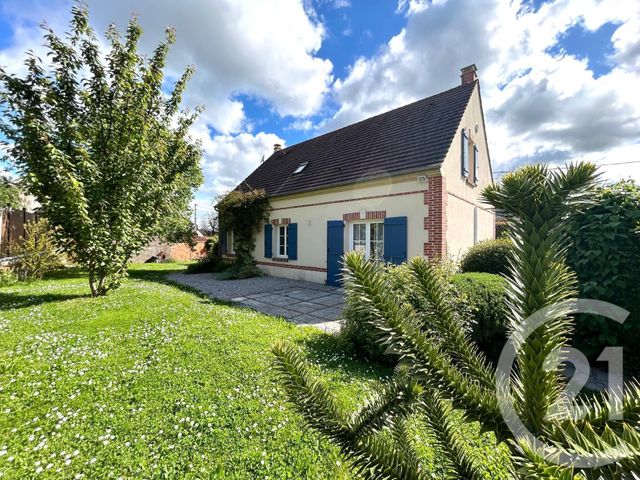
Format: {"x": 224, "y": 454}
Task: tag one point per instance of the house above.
{"x": 401, "y": 184}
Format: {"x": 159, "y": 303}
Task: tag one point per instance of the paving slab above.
{"x": 331, "y": 300}
{"x": 303, "y": 303}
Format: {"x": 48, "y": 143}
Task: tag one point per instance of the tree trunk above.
{"x": 92, "y": 282}
{"x": 97, "y": 284}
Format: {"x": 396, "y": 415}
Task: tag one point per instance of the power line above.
{"x": 600, "y": 165}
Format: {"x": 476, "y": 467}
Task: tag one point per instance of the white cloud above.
{"x": 539, "y": 107}
{"x": 263, "y": 49}
{"x": 230, "y": 158}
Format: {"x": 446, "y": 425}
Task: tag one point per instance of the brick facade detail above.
{"x": 374, "y": 215}
{"x": 435, "y": 223}
{"x": 275, "y": 221}
{"x": 350, "y": 217}
{"x": 377, "y": 215}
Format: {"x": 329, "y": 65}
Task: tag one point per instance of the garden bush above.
{"x": 211, "y": 262}
{"x": 37, "y": 253}
{"x": 605, "y": 256}
{"x": 357, "y": 332}
{"x": 7, "y": 278}
{"x": 484, "y": 294}
{"x": 489, "y": 256}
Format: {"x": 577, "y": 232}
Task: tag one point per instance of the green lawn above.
{"x": 157, "y": 381}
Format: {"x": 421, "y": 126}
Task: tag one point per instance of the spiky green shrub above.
{"x": 359, "y": 333}
{"x": 488, "y": 256}
{"x": 443, "y": 370}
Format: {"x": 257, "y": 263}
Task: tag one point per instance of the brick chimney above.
{"x": 469, "y": 74}
{"x": 277, "y": 147}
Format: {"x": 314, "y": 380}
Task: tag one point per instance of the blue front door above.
{"x": 335, "y": 250}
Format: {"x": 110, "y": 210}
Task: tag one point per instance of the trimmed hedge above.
{"x": 484, "y": 294}
{"x": 489, "y": 256}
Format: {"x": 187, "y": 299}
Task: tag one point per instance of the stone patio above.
{"x": 303, "y": 303}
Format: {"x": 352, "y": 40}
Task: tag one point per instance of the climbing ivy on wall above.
{"x": 244, "y": 213}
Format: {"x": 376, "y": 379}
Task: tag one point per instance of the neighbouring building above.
{"x": 404, "y": 183}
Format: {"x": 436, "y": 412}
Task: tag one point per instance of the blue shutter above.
{"x": 476, "y": 162}
{"x": 292, "y": 241}
{"x": 268, "y": 241}
{"x": 222, "y": 240}
{"x": 335, "y": 250}
{"x": 395, "y": 240}
{"x": 465, "y": 154}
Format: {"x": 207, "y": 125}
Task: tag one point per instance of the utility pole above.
{"x": 195, "y": 215}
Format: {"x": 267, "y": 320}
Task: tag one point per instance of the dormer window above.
{"x": 301, "y": 167}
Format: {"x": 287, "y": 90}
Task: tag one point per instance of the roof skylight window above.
{"x": 301, "y": 167}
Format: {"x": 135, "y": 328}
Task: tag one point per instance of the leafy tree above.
{"x": 102, "y": 147}
{"x": 442, "y": 369}
{"x": 9, "y": 194}
{"x": 178, "y": 228}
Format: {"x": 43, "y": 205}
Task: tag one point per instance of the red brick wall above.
{"x": 435, "y": 220}
{"x": 179, "y": 252}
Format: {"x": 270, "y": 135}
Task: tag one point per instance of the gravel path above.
{"x": 303, "y": 303}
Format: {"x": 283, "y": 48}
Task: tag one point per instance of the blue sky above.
{"x": 559, "y": 78}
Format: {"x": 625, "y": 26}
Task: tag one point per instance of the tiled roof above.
{"x": 407, "y": 139}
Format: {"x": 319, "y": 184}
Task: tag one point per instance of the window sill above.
{"x": 280, "y": 259}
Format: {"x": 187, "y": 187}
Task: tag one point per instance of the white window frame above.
{"x": 367, "y": 247}
{"x": 285, "y": 228}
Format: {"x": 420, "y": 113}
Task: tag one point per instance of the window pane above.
{"x": 376, "y": 245}
{"x": 359, "y": 237}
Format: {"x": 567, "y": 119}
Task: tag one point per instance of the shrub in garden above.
{"x": 7, "y": 278}
{"x": 488, "y": 256}
{"x": 211, "y": 262}
{"x": 442, "y": 369}
{"x": 605, "y": 255}
{"x": 37, "y": 253}
{"x": 358, "y": 331}
{"x": 484, "y": 294}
